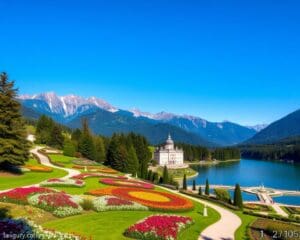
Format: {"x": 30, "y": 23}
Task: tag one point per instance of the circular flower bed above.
{"x": 88, "y": 175}
{"x": 158, "y": 227}
{"x": 59, "y": 203}
{"x": 20, "y": 195}
{"x": 58, "y": 182}
{"x": 126, "y": 183}
{"x": 106, "y": 203}
{"x": 154, "y": 199}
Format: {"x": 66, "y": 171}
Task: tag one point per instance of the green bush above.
{"x": 222, "y": 194}
{"x": 87, "y": 204}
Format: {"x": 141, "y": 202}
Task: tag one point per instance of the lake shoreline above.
{"x": 208, "y": 163}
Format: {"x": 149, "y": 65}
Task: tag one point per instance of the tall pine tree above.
{"x": 184, "y": 183}
{"x": 99, "y": 149}
{"x": 165, "y": 175}
{"x": 237, "y": 198}
{"x": 14, "y": 148}
{"x": 207, "y": 188}
{"x": 86, "y": 144}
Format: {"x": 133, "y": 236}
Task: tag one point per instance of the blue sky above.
{"x": 220, "y": 60}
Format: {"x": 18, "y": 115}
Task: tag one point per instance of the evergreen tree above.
{"x": 238, "y": 199}
{"x": 116, "y": 154}
{"x": 200, "y": 191}
{"x": 143, "y": 153}
{"x": 155, "y": 177}
{"x": 184, "y": 184}
{"x": 149, "y": 175}
{"x": 44, "y": 129}
{"x": 56, "y": 137}
{"x": 132, "y": 162}
{"x": 86, "y": 144}
{"x": 207, "y": 188}
{"x": 76, "y": 135}
{"x": 99, "y": 149}
{"x": 14, "y": 148}
{"x": 165, "y": 175}
{"x": 194, "y": 185}
{"x": 69, "y": 148}
{"x": 161, "y": 180}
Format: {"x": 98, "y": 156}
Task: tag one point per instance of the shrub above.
{"x": 222, "y": 194}
{"x": 86, "y": 204}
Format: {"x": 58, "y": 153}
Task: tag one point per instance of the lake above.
{"x": 249, "y": 173}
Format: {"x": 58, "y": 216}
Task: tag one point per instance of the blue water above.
{"x": 249, "y": 173}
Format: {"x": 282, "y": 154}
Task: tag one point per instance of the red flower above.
{"x": 20, "y": 195}
{"x": 113, "y": 201}
{"x": 159, "y": 226}
{"x": 57, "y": 199}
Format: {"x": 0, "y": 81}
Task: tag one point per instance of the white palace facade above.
{"x": 169, "y": 155}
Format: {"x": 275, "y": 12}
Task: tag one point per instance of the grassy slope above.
{"x": 28, "y": 178}
{"x": 65, "y": 160}
{"x": 100, "y": 225}
{"x": 111, "y": 225}
{"x": 241, "y": 232}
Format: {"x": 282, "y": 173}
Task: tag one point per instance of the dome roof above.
{"x": 169, "y": 140}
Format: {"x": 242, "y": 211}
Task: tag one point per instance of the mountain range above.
{"x": 286, "y": 127}
{"x": 106, "y": 119}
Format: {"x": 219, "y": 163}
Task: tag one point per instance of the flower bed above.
{"x": 155, "y": 200}
{"x": 58, "y": 182}
{"x": 20, "y": 195}
{"x": 102, "y": 191}
{"x": 159, "y": 227}
{"x": 85, "y": 162}
{"x": 59, "y": 203}
{"x": 10, "y": 228}
{"x": 96, "y": 169}
{"x": 88, "y": 175}
{"x": 126, "y": 183}
{"x": 106, "y": 203}
{"x": 38, "y": 168}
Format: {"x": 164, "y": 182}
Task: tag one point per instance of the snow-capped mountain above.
{"x": 258, "y": 127}
{"x": 71, "y": 108}
{"x": 69, "y": 105}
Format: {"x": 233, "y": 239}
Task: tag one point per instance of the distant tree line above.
{"x": 224, "y": 154}
{"x": 194, "y": 153}
{"x": 272, "y": 152}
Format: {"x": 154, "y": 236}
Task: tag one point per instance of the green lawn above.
{"x": 90, "y": 183}
{"x": 28, "y": 178}
{"x": 61, "y": 159}
{"x": 112, "y": 224}
{"x": 178, "y": 173}
{"x": 241, "y": 232}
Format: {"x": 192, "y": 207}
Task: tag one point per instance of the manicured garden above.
{"x": 102, "y": 203}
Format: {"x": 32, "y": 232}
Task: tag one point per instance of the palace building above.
{"x": 169, "y": 155}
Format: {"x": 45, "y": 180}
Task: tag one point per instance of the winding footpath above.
{"x": 45, "y": 161}
{"x": 223, "y": 229}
